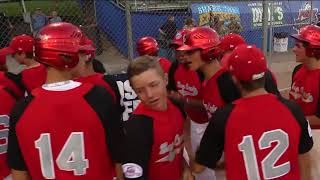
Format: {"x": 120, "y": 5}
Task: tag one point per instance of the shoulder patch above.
{"x": 132, "y": 170}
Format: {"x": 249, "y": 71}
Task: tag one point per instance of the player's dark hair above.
{"x": 142, "y": 64}
{"x": 29, "y": 55}
{"x": 253, "y": 85}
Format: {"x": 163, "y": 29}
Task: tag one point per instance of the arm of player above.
{"x": 305, "y": 143}
{"x": 212, "y": 143}
{"x": 305, "y": 166}
{"x": 314, "y": 121}
{"x": 138, "y": 143}
{"x": 20, "y": 175}
{"x": 14, "y": 154}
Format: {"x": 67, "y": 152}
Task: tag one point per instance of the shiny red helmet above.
{"x": 311, "y": 35}
{"x": 230, "y": 41}
{"x": 205, "y": 39}
{"x": 58, "y": 45}
{"x": 179, "y": 38}
{"x": 147, "y": 46}
{"x": 200, "y": 38}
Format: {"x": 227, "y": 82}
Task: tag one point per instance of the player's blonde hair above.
{"x": 142, "y": 64}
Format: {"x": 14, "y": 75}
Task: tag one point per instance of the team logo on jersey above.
{"x": 172, "y": 149}
{"x": 210, "y": 108}
{"x": 132, "y": 170}
{"x": 299, "y": 93}
{"x": 186, "y": 89}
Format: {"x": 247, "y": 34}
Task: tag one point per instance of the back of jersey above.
{"x": 6, "y": 104}
{"x": 62, "y": 134}
{"x": 263, "y": 136}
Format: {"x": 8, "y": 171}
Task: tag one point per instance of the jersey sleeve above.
{"x": 306, "y": 141}
{"x": 14, "y": 154}
{"x": 295, "y": 70}
{"x": 138, "y": 143}
{"x": 113, "y": 84}
{"x": 101, "y": 101}
{"x": 270, "y": 84}
{"x": 212, "y": 143}
{"x": 171, "y": 82}
{"x": 228, "y": 90}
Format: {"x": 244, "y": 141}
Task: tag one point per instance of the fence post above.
{"x": 26, "y": 14}
{"x": 271, "y": 35}
{"x": 311, "y": 11}
{"x": 129, "y": 30}
{"x": 265, "y": 26}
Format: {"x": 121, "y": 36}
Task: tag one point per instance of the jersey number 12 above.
{"x": 70, "y": 158}
{"x": 269, "y": 169}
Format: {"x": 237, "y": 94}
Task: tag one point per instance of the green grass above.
{"x": 64, "y": 7}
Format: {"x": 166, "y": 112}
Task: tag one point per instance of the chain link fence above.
{"x": 115, "y": 25}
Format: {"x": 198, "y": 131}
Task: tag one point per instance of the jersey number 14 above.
{"x": 70, "y": 158}
{"x": 269, "y": 169}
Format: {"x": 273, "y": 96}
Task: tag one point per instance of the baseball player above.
{"x": 8, "y": 79}
{"x": 7, "y": 99}
{"x": 64, "y": 129}
{"x": 34, "y": 74}
{"x": 185, "y": 87}
{"x": 218, "y": 88}
{"x": 154, "y": 130}
{"x": 263, "y": 136}
{"x": 149, "y": 46}
{"x": 306, "y": 76}
{"x": 84, "y": 72}
{"x": 228, "y": 43}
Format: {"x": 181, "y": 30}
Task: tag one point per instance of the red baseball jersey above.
{"x": 165, "y": 64}
{"x": 13, "y": 82}
{"x": 105, "y": 81}
{"x": 218, "y": 90}
{"x": 261, "y": 138}
{"x": 188, "y": 84}
{"x": 305, "y": 90}
{"x": 155, "y": 142}
{"x": 33, "y": 77}
{"x": 6, "y": 105}
{"x": 66, "y": 130}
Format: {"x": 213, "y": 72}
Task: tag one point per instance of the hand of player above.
{"x": 176, "y": 96}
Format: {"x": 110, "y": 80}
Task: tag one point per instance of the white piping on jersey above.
{"x": 61, "y": 86}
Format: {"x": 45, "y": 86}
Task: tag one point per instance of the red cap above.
{"x": 21, "y": 43}
{"x": 230, "y": 41}
{"x": 310, "y": 34}
{"x": 180, "y": 37}
{"x": 200, "y": 38}
{"x": 247, "y": 63}
{"x": 2, "y": 60}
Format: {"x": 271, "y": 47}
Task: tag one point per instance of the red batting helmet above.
{"x": 311, "y": 35}
{"x": 230, "y": 41}
{"x": 58, "y": 45}
{"x": 205, "y": 39}
{"x": 147, "y": 46}
{"x": 179, "y": 38}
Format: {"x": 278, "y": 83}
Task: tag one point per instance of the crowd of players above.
{"x": 216, "y": 106}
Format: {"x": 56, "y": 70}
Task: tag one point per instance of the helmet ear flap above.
{"x": 314, "y": 53}
{"x": 209, "y": 54}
